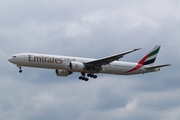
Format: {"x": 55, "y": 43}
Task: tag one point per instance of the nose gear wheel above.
{"x": 20, "y": 69}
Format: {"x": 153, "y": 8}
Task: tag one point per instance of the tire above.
{"x": 95, "y": 76}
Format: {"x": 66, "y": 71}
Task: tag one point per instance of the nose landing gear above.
{"x": 20, "y": 69}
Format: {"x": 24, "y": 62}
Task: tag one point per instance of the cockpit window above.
{"x": 14, "y": 56}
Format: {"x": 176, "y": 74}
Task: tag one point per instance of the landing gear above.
{"x": 92, "y": 75}
{"x": 20, "y": 69}
{"x": 83, "y": 77}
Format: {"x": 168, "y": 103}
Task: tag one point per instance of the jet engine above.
{"x": 76, "y": 66}
{"x": 60, "y": 72}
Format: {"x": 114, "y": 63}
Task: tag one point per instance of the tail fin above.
{"x": 150, "y": 58}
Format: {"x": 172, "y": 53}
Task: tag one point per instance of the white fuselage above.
{"x": 62, "y": 62}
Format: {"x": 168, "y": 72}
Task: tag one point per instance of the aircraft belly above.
{"x": 115, "y": 70}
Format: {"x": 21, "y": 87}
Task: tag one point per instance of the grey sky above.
{"x": 89, "y": 29}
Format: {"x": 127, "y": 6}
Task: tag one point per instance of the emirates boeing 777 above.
{"x": 88, "y": 67}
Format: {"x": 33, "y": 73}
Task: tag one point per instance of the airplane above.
{"x": 88, "y": 67}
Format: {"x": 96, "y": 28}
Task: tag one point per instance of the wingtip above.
{"x": 137, "y": 49}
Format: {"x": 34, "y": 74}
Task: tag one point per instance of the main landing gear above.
{"x": 20, "y": 69}
{"x": 83, "y": 77}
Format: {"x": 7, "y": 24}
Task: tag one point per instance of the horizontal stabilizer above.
{"x": 158, "y": 66}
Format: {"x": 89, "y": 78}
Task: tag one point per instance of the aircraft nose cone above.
{"x": 10, "y": 59}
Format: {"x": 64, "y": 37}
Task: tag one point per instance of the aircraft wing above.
{"x": 107, "y": 60}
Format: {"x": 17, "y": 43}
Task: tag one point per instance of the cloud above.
{"x": 92, "y": 29}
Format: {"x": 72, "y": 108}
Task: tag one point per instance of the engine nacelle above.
{"x": 60, "y": 72}
{"x": 76, "y": 66}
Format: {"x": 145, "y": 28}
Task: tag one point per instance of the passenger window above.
{"x": 14, "y": 56}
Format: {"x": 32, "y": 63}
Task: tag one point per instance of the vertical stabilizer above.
{"x": 150, "y": 58}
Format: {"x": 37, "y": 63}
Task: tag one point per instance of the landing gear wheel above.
{"x": 20, "y": 71}
{"x": 88, "y": 75}
{"x": 95, "y": 76}
{"x": 86, "y": 79}
{"x": 92, "y": 75}
{"x": 80, "y": 78}
{"x": 83, "y": 78}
